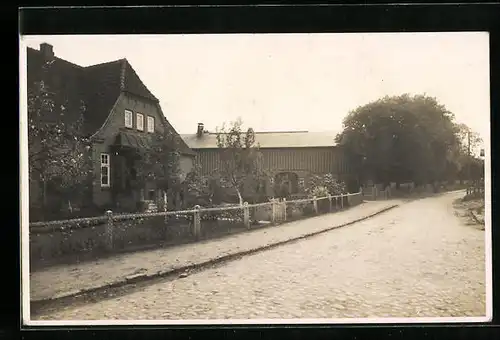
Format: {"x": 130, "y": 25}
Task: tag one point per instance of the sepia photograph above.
{"x": 255, "y": 178}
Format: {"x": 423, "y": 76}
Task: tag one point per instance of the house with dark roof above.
{"x": 290, "y": 157}
{"x": 120, "y": 115}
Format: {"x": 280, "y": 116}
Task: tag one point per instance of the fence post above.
{"x": 336, "y": 202}
{"x": 109, "y": 231}
{"x": 341, "y": 201}
{"x": 165, "y": 218}
{"x": 315, "y": 204}
{"x": 284, "y": 209}
{"x": 273, "y": 206}
{"x": 196, "y": 222}
{"x": 330, "y": 201}
{"x": 246, "y": 215}
{"x": 165, "y": 205}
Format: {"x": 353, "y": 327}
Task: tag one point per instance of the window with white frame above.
{"x": 151, "y": 124}
{"x": 128, "y": 119}
{"x": 105, "y": 170}
{"x": 140, "y": 122}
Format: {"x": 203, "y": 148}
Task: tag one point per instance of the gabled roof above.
{"x": 102, "y": 88}
{"x": 130, "y": 82}
{"x": 277, "y": 139}
{"x": 183, "y": 147}
{"x": 62, "y": 78}
{"x": 98, "y": 86}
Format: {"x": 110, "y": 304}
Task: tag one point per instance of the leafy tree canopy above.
{"x": 240, "y": 167}
{"x": 160, "y": 161}
{"x": 402, "y": 138}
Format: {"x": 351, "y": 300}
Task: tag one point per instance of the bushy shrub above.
{"x": 142, "y": 206}
{"x": 59, "y": 212}
{"x": 332, "y": 185}
{"x": 302, "y": 208}
{"x": 319, "y": 191}
{"x": 307, "y": 209}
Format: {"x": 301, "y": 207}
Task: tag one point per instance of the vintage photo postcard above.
{"x": 255, "y": 178}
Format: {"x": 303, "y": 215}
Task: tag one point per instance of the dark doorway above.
{"x": 286, "y": 184}
{"x": 151, "y": 195}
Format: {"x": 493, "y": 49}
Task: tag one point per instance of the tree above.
{"x": 469, "y": 139}
{"x": 59, "y": 154}
{"x": 159, "y": 162}
{"x": 198, "y": 187}
{"x": 467, "y": 161}
{"x": 240, "y": 167}
{"x": 400, "y": 138}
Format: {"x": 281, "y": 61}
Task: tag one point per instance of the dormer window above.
{"x": 151, "y": 124}
{"x": 128, "y": 119}
{"x": 140, "y": 122}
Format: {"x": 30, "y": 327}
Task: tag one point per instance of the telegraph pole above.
{"x": 468, "y": 153}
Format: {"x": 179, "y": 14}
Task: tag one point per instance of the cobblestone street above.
{"x": 417, "y": 260}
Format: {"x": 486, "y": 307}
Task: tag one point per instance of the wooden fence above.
{"x": 475, "y": 191}
{"x": 113, "y": 232}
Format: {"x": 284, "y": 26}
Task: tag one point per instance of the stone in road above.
{"x": 414, "y": 261}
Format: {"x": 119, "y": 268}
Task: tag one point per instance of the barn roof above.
{"x": 276, "y": 139}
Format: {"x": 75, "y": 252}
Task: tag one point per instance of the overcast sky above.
{"x": 293, "y": 81}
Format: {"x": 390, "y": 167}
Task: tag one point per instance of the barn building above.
{"x": 290, "y": 157}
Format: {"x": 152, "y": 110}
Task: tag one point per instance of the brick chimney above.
{"x": 47, "y": 51}
{"x": 199, "y": 132}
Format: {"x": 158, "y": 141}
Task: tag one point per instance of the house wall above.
{"x": 35, "y": 191}
{"x": 300, "y": 160}
{"x": 115, "y": 123}
{"x": 186, "y": 164}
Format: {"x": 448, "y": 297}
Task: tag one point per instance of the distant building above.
{"x": 290, "y": 157}
{"x": 120, "y": 115}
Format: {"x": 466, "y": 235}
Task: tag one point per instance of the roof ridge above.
{"x": 128, "y": 70}
{"x": 102, "y": 64}
{"x": 270, "y": 132}
{"x": 292, "y": 131}
{"x": 123, "y": 71}
{"x": 56, "y": 58}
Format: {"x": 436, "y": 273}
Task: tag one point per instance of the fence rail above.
{"x": 118, "y": 217}
{"x": 53, "y": 239}
{"x": 474, "y": 191}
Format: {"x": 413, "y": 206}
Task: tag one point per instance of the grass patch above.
{"x": 471, "y": 211}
